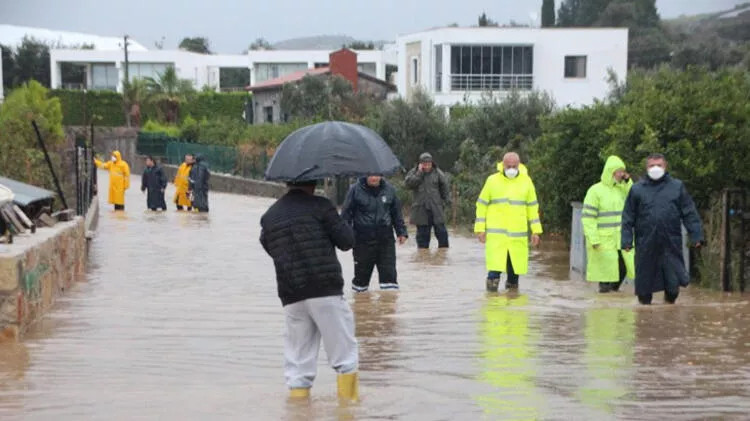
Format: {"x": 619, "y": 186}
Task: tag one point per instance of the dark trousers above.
{"x": 367, "y": 255}
{"x": 669, "y": 296}
{"x": 424, "y": 233}
{"x": 615, "y": 286}
{"x": 512, "y": 277}
{"x": 119, "y": 207}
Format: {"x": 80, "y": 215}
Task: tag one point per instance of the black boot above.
{"x": 604, "y": 287}
{"x": 645, "y": 299}
{"x": 615, "y": 287}
{"x": 492, "y": 284}
{"x": 511, "y": 285}
{"x": 670, "y": 297}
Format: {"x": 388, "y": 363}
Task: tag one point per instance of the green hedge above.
{"x": 214, "y": 104}
{"x": 107, "y": 107}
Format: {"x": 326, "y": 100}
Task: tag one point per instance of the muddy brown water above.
{"x": 178, "y": 319}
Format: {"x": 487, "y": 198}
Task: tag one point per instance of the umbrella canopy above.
{"x": 330, "y": 149}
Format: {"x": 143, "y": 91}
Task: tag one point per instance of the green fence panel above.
{"x": 218, "y": 158}
{"x": 154, "y": 144}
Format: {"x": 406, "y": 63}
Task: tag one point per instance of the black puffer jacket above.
{"x": 301, "y": 232}
{"x": 374, "y": 212}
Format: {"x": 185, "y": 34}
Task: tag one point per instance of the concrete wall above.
{"x": 263, "y": 99}
{"x": 35, "y": 270}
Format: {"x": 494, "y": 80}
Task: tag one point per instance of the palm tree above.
{"x": 168, "y": 92}
{"x": 135, "y": 93}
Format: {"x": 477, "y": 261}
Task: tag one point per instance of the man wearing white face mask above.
{"x": 506, "y": 210}
{"x": 655, "y": 210}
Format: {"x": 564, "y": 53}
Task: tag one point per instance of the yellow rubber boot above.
{"x": 299, "y": 393}
{"x": 348, "y": 386}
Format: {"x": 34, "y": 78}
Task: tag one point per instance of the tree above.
{"x": 21, "y": 158}
{"x": 548, "y": 13}
{"x": 323, "y": 97}
{"x": 260, "y": 44}
{"x": 198, "y": 45}
{"x": 168, "y": 92}
{"x": 31, "y": 61}
{"x": 580, "y": 12}
{"x": 483, "y": 20}
{"x": 135, "y": 93}
{"x": 361, "y": 45}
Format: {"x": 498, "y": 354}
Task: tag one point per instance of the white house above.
{"x": 106, "y": 69}
{"x": 271, "y": 64}
{"x": 458, "y": 65}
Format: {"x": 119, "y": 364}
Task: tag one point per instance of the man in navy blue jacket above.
{"x": 374, "y": 211}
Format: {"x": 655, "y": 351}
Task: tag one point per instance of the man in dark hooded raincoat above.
{"x": 655, "y": 210}
{"x": 199, "y": 176}
{"x": 154, "y": 182}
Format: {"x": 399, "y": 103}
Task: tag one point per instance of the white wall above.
{"x": 605, "y": 48}
{"x": 201, "y": 69}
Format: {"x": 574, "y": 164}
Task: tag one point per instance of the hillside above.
{"x": 320, "y": 42}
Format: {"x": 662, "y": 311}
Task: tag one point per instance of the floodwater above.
{"x": 178, "y": 319}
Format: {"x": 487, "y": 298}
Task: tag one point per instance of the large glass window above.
{"x": 144, "y": 70}
{"x": 497, "y": 60}
{"x": 367, "y": 68}
{"x": 492, "y": 67}
{"x": 267, "y": 71}
{"x": 104, "y": 76}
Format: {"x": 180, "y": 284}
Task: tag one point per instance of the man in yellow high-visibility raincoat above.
{"x": 182, "y": 184}
{"x": 601, "y": 218}
{"x": 506, "y": 209}
{"x": 119, "y": 178}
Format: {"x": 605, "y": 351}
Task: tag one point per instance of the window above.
{"x": 575, "y": 67}
{"x": 492, "y": 67}
{"x": 414, "y": 70}
{"x": 104, "y": 76}
{"x": 267, "y": 71}
{"x": 268, "y": 111}
{"x": 438, "y": 68}
{"x": 144, "y": 70}
{"x": 367, "y": 68}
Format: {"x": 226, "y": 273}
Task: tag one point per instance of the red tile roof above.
{"x": 291, "y": 77}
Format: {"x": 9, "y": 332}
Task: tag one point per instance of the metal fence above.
{"x": 154, "y": 144}
{"x": 470, "y": 82}
{"x": 85, "y": 176}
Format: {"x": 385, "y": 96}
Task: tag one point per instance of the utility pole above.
{"x": 127, "y": 75}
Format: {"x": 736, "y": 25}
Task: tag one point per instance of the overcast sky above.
{"x": 232, "y": 25}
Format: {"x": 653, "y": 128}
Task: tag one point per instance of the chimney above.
{"x": 344, "y": 63}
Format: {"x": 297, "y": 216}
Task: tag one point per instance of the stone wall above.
{"x": 35, "y": 270}
{"x": 107, "y": 139}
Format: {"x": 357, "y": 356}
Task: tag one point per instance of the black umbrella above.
{"x": 329, "y": 149}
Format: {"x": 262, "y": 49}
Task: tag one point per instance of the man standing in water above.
{"x": 606, "y": 263}
{"x": 199, "y": 175}
{"x": 301, "y": 232}
{"x": 506, "y": 208}
{"x": 119, "y": 178}
{"x": 154, "y": 183}
{"x": 374, "y": 210}
{"x": 431, "y": 196}
{"x": 655, "y": 211}
{"x": 182, "y": 184}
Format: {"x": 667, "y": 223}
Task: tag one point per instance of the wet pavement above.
{"x": 178, "y": 319}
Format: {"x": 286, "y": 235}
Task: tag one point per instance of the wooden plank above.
{"x": 10, "y": 217}
{"x": 25, "y": 219}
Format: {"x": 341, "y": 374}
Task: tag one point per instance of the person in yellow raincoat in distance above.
{"x": 507, "y": 209}
{"x": 119, "y": 178}
{"x": 182, "y": 184}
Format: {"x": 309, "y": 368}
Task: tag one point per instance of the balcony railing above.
{"x": 461, "y": 82}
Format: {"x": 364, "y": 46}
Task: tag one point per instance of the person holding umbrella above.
{"x": 374, "y": 210}
{"x": 301, "y": 233}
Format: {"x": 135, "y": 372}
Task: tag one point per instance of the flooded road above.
{"x": 179, "y": 319}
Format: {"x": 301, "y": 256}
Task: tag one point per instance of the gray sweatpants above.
{"x": 307, "y": 321}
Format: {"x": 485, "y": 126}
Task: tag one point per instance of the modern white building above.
{"x": 459, "y": 65}
{"x": 271, "y": 64}
{"x": 106, "y": 69}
